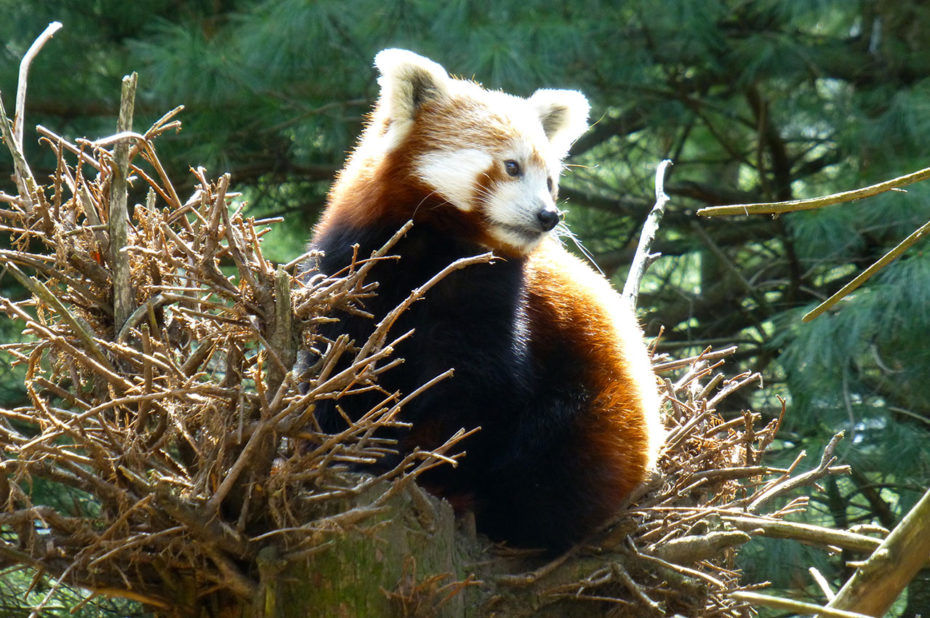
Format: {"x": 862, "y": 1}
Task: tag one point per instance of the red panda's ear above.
{"x": 563, "y": 114}
{"x": 407, "y": 81}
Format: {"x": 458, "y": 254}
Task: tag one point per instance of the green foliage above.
{"x": 765, "y": 559}
{"x": 20, "y": 589}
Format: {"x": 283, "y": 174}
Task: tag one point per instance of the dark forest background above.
{"x": 754, "y": 101}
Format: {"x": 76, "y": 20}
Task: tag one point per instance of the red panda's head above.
{"x": 485, "y": 158}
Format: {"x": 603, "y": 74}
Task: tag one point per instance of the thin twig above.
{"x": 822, "y": 583}
{"x": 38, "y": 288}
{"x": 707, "y": 355}
{"x": 823, "y": 469}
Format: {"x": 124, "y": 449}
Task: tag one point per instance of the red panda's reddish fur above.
{"x": 549, "y": 362}
{"x": 568, "y": 297}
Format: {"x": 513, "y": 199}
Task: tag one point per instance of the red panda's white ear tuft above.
{"x": 407, "y": 81}
{"x": 563, "y": 114}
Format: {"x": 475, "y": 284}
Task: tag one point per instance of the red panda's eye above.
{"x": 512, "y": 167}
{"x": 549, "y": 184}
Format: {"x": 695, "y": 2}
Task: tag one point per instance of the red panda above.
{"x": 549, "y": 361}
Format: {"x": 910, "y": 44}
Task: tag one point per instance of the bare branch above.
{"x": 25, "y": 181}
{"x": 879, "y": 580}
{"x": 806, "y": 533}
{"x": 118, "y": 220}
{"x": 817, "y": 202}
{"x": 825, "y": 468}
{"x": 643, "y": 258}
{"x": 867, "y": 274}
{"x": 707, "y": 355}
{"x": 798, "y": 607}
{"x": 20, "y": 119}
{"x": 836, "y": 198}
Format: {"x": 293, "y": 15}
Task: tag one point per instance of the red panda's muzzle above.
{"x": 548, "y": 218}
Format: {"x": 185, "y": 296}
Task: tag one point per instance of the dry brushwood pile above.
{"x": 180, "y": 430}
{"x": 164, "y": 410}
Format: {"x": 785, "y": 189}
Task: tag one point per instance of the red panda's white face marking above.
{"x": 512, "y": 192}
{"x": 486, "y": 153}
{"x": 452, "y": 174}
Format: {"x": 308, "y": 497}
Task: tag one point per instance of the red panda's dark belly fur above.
{"x": 530, "y": 473}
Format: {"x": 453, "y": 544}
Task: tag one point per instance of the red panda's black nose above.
{"x": 548, "y": 219}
